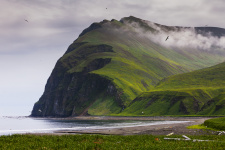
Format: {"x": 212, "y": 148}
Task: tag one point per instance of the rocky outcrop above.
{"x": 71, "y": 93}
{"x": 93, "y": 26}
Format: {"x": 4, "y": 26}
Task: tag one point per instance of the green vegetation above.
{"x": 199, "y": 126}
{"x": 80, "y": 142}
{"x": 104, "y": 105}
{"x": 200, "y": 92}
{"x": 216, "y": 123}
{"x": 202, "y": 127}
{"x": 203, "y": 78}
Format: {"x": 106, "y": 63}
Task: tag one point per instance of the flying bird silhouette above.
{"x": 167, "y": 38}
{"x": 26, "y": 20}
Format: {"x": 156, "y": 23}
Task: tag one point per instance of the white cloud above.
{"x": 180, "y": 37}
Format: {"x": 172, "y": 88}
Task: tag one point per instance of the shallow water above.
{"x": 20, "y": 125}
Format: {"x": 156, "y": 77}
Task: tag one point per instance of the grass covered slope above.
{"x": 138, "y": 64}
{"x": 99, "y": 142}
{"x": 212, "y": 77}
{"x": 200, "y": 92}
{"x": 215, "y": 123}
{"x": 112, "y": 62}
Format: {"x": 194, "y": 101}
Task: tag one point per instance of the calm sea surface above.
{"x": 18, "y": 125}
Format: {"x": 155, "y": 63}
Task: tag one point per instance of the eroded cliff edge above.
{"x": 72, "y": 93}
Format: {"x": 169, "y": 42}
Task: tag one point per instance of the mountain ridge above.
{"x": 112, "y": 62}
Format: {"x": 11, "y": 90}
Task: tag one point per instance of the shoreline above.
{"x": 161, "y": 129}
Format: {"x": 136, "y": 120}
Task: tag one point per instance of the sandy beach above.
{"x": 162, "y": 129}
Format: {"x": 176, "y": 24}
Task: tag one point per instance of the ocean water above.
{"x": 21, "y": 125}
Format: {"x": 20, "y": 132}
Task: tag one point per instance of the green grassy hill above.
{"x": 111, "y": 63}
{"x": 200, "y": 92}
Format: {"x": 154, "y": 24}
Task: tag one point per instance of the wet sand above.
{"x": 162, "y": 129}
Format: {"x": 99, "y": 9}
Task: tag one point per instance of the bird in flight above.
{"x": 167, "y": 38}
{"x": 26, "y": 20}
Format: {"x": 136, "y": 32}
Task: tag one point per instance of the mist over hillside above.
{"x": 112, "y": 62}
{"x": 201, "y": 38}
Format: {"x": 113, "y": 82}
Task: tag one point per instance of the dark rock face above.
{"x": 78, "y": 91}
{"x": 70, "y": 94}
{"x": 74, "y": 46}
{"x": 90, "y": 28}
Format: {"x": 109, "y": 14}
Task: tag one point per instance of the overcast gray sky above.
{"x": 29, "y": 50}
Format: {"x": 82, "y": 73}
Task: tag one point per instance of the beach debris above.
{"x": 157, "y": 139}
{"x": 185, "y": 138}
{"x": 173, "y": 139}
{"x": 221, "y": 132}
{"x": 196, "y": 140}
{"x": 170, "y": 134}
